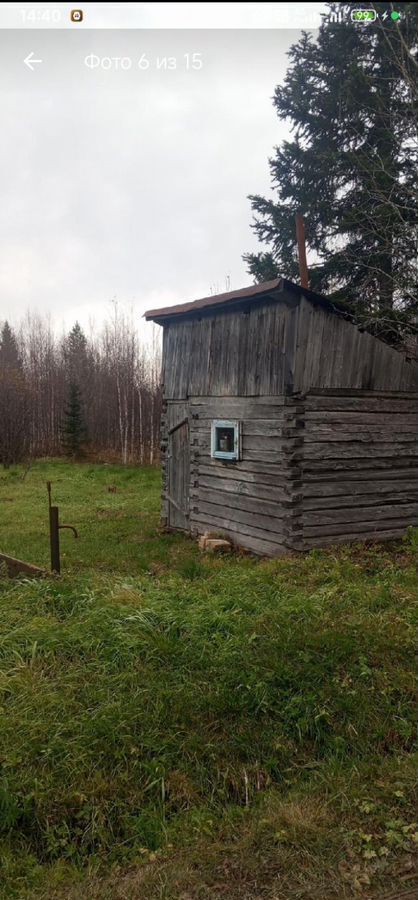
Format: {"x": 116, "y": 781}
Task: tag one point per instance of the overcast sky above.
{"x": 132, "y": 184}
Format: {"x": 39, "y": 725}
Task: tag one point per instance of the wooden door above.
{"x": 178, "y": 471}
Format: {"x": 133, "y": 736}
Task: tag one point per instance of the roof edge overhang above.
{"x": 233, "y": 299}
{"x": 214, "y": 303}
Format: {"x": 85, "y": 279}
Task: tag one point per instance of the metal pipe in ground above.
{"x": 54, "y": 536}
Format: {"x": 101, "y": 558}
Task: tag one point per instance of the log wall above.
{"x": 359, "y": 466}
{"x": 328, "y": 467}
{"x": 248, "y": 500}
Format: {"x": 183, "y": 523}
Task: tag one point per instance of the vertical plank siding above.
{"x": 173, "y": 414}
{"x": 333, "y": 353}
{"x": 178, "y": 477}
{"x": 232, "y": 353}
{"x": 274, "y": 348}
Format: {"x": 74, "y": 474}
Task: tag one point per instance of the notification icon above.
{"x": 76, "y": 15}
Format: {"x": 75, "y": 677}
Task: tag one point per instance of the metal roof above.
{"x": 255, "y": 290}
{"x": 213, "y": 300}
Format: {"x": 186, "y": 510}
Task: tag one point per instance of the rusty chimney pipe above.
{"x": 300, "y": 237}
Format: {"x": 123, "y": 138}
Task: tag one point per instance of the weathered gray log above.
{"x": 248, "y": 523}
{"x": 357, "y": 450}
{"x": 392, "y": 419}
{"x": 369, "y": 529}
{"x": 235, "y": 501}
{"x": 359, "y": 434}
{"x": 408, "y": 512}
{"x": 242, "y": 487}
{"x": 368, "y": 467}
{"x": 362, "y": 487}
{"x": 253, "y": 465}
{"x": 324, "y": 540}
{"x": 16, "y": 567}
{"x": 239, "y": 473}
{"x": 355, "y": 500}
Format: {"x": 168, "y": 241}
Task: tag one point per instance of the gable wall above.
{"x": 333, "y": 353}
{"x": 237, "y": 353}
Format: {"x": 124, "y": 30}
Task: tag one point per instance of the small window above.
{"x": 225, "y": 442}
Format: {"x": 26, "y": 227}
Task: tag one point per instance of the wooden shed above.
{"x": 285, "y": 427}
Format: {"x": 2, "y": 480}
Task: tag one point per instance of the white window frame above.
{"x": 222, "y": 454}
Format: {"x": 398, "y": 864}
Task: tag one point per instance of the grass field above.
{"x": 182, "y": 726}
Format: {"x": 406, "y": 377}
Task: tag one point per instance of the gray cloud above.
{"x": 131, "y": 184}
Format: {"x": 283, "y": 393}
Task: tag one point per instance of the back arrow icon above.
{"x": 30, "y": 61}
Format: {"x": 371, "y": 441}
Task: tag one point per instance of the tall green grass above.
{"x": 152, "y": 697}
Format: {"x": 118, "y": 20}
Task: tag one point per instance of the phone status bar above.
{"x": 198, "y": 16}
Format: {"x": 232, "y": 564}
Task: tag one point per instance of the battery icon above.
{"x": 363, "y": 15}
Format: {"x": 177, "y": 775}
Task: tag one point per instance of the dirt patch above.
{"x": 110, "y": 514}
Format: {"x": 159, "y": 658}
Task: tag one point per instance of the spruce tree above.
{"x": 350, "y": 168}
{"x": 75, "y": 354}
{"x": 9, "y": 352}
{"x": 76, "y": 361}
{"x": 73, "y": 431}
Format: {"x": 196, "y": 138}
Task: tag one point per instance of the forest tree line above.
{"x": 95, "y": 396}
